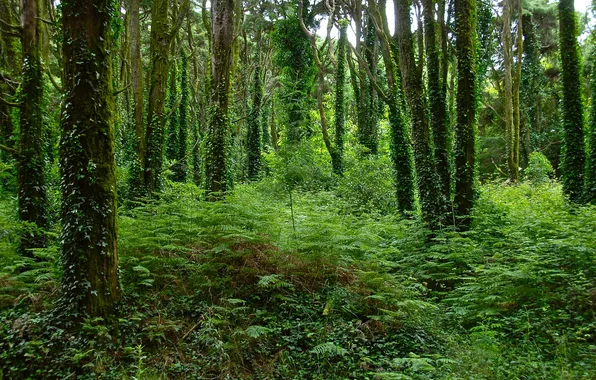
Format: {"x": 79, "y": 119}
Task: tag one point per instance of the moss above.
{"x": 573, "y": 154}
{"x": 465, "y": 129}
{"x": 340, "y": 80}
{"x": 88, "y": 170}
{"x": 30, "y": 160}
{"x": 253, "y": 148}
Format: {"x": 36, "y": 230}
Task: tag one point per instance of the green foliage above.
{"x": 573, "y": 154}
{"x": 340, "y": 79}
{"x": 539, "y": 169}
{"x": 254, "y": 127}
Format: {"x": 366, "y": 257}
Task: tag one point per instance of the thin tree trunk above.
{"x": 30, "y": 161}
{"x": 222, "y": 18}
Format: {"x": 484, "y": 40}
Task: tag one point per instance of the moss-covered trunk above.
{"x": 158, "y": 79}
{"x": 590, "y": 187}
{"x": 87, "y": 165}
{"x": 400, "y": 143}
{"x": 573, "y": 155}
{"x": 181, "y": 160}
{"x": 429, "y": 192}
{"x": 222, "y": 16}
{"x": 437, "y": 100}
{"x": 340, "y": 81}
{"x": 8, "y": 66}
{"x": 465, "y": 128}
{"x": 254, "y": 125}
{"x": 30, "y": 161}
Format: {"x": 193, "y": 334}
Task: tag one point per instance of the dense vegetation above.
{"x": 258, "y": 189}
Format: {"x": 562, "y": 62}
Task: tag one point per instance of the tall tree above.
{"x": 340, "y": 80}
{"x": 573, "y": 155}
{"x": 465, "y": 128}
{"x": 162, "y": 35}
{"x": 590, "y": 186}
{"x": 437, "y": 100}
{"x": 8, "y": 69}
{"x": 222, "y": 17}
{"x": 87, "y": 165}
{"x": 30, "y": 159}
{"x": 430, "y": 195}
{"x": 511, "y": 133}
{"x": 181, "y": 160}
{"x": 400, "y": 144}
{"x": 254, "y": 125}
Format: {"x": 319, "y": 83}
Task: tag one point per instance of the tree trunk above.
{"x": 88, "y": 169}
{"x": 573, "y": 157}
{"x": 430, "y": 195}
{"x": 515, "y": 92}
{"x": 340, "y": 80}
{"x": 437, "y": 102}
{"x": 508, "y": 95}
{"x": 465, "y": 135}
{"x": 8, "y": 66}
{"x": 254, "y": 124}
{"x": 222, "y": 18}
{"x": 30, "y": 161}
{"x": 181, "y": 160}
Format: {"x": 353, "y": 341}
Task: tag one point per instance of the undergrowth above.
{"x": 322, "y": 285}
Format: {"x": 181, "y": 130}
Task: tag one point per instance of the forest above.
{"x": 298, "y": 189}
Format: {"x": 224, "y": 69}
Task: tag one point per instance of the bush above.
{"x": 539, "y": 168}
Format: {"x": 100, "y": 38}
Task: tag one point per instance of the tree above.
{"x": 222, "y": 18}
{"x": 340, "y": 80}
{"x": 30, "y": 161}
{"x": 8, "y": 68}
{"x": 590, "y": 186}
{"x": 465, "y": 128}
{"x": 573, "y": 155}
{"x": 427, "y": 179}
{"x": 87, "y": 165}
{"x": 437, "y": 100}
{"x": 180, "y": 156}
{"x": 162, "y": 35}
{"x": 400, "y": 145}
{"x": 254, "y": 124}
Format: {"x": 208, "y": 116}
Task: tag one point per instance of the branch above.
{"x": 183, "y": 13}
{"x": 17, "y": 28}
{"x": 56, "y": 85}
{"x": 10, "y": 104}
{"x": 122, "y": 89}
{"x": 8, "y": 150}
{"x": 370, "y": 76}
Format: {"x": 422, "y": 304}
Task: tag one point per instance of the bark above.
{"x": 465, "y": 134}
{"x": 510, "y": 128}
{"x": 8, "y": 65}
{"x": 88, "y": 169}
{"x": 30, "y": 161}
{"x": 429, "y": 192}
{"x": 400, "y": 143}
{"x": 437, "y": 101}
{"x": 134, "y": 30}
{"x": 573, "y": 157}
{"x": 222, "y": 19}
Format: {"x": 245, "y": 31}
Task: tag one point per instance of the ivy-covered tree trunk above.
{"x": 465, "y": 129}
{"x": 437, "y": 101}
{"x": 173, "y": 121}
{"x": 87, "y": 165}
{"x": 573, "y": 155}
{"x": 158, "y": 79}
{"x": 531, "y": 87}
{"x": 340, "y": 80}
{"x": 30, "y": 161}
{"x": 222, "y": 16}
{"x": 427, "y": 178}
{"x": 510, "y": 134}
{"x": 590, "y": 186}
{"x": 8, "y": 66}
{"x": 254, "y": 125}
{"x": 400, "y": 143}
{"x": 181, "y": 160}
{"x": 515, "y": 93}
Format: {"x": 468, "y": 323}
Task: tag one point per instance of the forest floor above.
{"x": 319, "y": 287}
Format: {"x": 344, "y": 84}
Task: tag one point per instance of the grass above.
{"x": 252, "y": 288}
